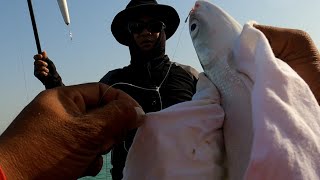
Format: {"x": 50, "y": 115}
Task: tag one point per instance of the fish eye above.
{"x": 193, "y": 27}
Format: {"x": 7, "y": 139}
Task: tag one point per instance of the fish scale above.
{"x": 235, "y": 99}
{"x": 214, "y": 51}
{"x": 224, "y": 78}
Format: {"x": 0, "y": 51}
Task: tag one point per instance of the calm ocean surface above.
{"x": 105, "y": 171}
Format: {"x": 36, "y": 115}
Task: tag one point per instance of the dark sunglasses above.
{"x": 153, "y": 27}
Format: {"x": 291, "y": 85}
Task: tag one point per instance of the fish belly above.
{"x": 236, "y": 102}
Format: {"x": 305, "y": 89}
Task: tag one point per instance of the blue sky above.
{"x": 93, "y": 50}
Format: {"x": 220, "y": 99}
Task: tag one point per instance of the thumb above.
{"x": 279, "y": 38}
{"x": 115, "y": 119}
{"x": 44, "y": 55}
{"x": 289, "y": 44}
{"x": 123, "y": 115}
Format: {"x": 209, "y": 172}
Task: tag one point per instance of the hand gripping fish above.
{"x": 271, "y": 127}
{"x": 214, "y": 33}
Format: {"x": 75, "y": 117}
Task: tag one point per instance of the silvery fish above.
{"x": 214, "y": 33}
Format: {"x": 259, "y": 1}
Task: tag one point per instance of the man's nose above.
{"x": 145, "y": 31}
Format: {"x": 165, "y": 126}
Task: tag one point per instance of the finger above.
{"x": 118, "y": 117}
{"x": 93, "y": 95}
{"x": 42, "y": 56}
{"x": 37, "y": 57}
{"x": 277, "y": 37}
{"x": 41, "y": 74}
{"x": 118, "y": 113}
{"x": 39, "y": 63}
{"x": 41, "y": 69}
{"x": 112, "y": 123}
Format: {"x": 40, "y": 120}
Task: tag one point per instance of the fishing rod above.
{"x": 34, "y": 26}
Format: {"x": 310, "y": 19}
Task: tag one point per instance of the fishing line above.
{"x": 70, "y": 33}
{"x": 128, "y": 84}
{"x": 124, "y": 146}
{"x": 22, "y": 63}
{"x": 179, "y": 39}
{"x": 24, "y": 76}
{"x": 157, "y": 89}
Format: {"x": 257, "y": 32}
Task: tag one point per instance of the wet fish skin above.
{"x": 214, "y": 33}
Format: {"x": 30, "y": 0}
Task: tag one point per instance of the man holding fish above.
{"x": 271, "y": 111}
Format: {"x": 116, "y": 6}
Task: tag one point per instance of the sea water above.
{"x": 104, "y": 174}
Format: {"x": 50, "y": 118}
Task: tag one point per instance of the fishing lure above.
{"x": 64, "y": 11}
